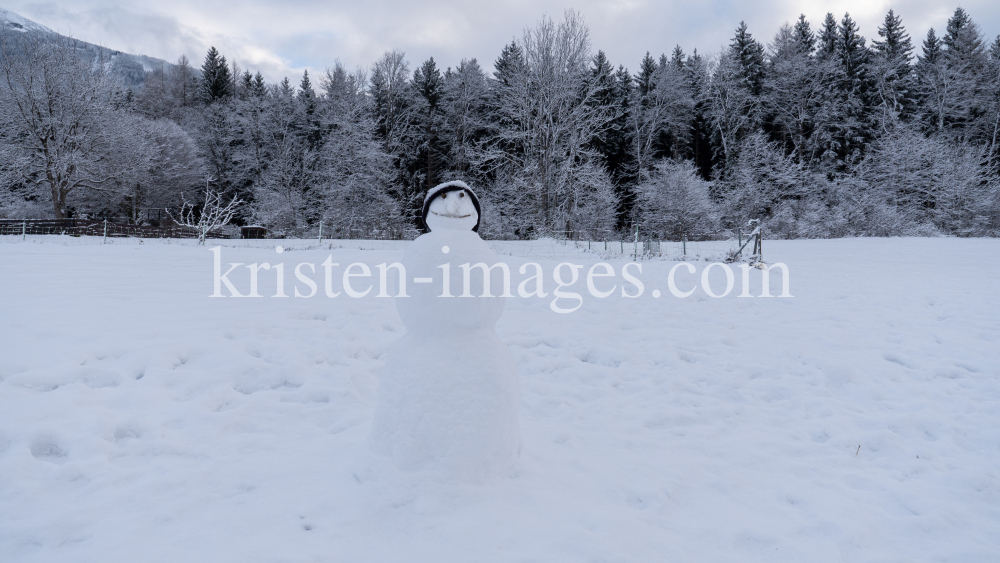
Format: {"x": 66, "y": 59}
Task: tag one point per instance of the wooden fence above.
{"x": 95, "y": 227}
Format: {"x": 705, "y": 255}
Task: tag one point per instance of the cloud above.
{"x": 284, "y": 38}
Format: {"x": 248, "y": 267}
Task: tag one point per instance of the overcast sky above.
{"x": 283, "y": 38}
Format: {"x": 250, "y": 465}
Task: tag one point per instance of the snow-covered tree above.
{"x": 61, "y": 108}
{"x": 675, "y": 201}
{"x": 891, "y": 70}
{"x": 546, "y": 164}
{"x": 216, "y": 80}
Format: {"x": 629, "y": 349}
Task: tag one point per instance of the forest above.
{"x": 815, "y": 133}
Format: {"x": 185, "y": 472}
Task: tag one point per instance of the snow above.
{"x": 21, "y": 23}
{"x": 448, "y": 394}
{"x": 858, "y": 420}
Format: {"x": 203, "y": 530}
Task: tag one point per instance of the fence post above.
{"x": 24, "y": 230}
{"x": 105, "y": 232}
{"x": 635, "y": 255}
{"x": 321, "y": 232}
{"x": 684, "y": 243}
{"x": 739, "y": 233}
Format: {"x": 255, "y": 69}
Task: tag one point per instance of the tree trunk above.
{"x": 59, "y": 202}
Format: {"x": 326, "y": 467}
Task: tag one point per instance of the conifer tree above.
{"x": 258, "y": 88}
{"x": 428, "y": 85}
{"x": 891, "y": 69}
{"x": 793, "y": 88}
{"x": 510, "y": 64}
{"x": 696, "y": 80}
{"x": 962, "y": 37}
{"x": 803, "y": 35}
{"x": 966, "y": 61}
{"x": 646, "y": 79}
{"x": 677, "y": 58}
{"x": 851, "y": 51}
{"x": 828, "y": 37}
{"x": 749, "y": 54}
{"x": 216, "y": 81}
{"x": 932, "y": 81}
{"x": 895, "y": 44}
{"x": 307, "y": 118}
{"x": 246, "y": 82}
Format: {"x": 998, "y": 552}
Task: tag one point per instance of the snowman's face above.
{"x": 452, "y": 210}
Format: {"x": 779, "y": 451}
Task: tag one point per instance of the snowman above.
{"x": 449, "y": 393}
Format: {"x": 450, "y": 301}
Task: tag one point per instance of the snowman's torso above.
{"x": 449, "y": 392}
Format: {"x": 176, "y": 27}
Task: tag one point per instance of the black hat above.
{"x": 453, "y": 186}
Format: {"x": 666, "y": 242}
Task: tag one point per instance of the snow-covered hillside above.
{"x": 15, "y": 22}
{"x": 141, "y": 420}
{"x": 130, "y": 68}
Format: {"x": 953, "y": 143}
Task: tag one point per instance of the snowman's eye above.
{"x": 461, "y": 194}
{"x": 444, "y": 196}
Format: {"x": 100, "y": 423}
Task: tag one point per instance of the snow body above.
{"x": 449, "y": 392}
{"x": 139, "y": 416}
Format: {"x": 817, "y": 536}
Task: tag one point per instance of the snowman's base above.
{"x": 449, "y": 408}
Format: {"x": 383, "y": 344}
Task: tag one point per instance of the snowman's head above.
{"x": 451, "y": 206}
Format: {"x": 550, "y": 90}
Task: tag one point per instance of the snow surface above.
{"x": 21, "y": 23}
{"x": 141, "y": 420}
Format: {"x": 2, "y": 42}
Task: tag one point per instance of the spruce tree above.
{"x": 621, "y": 164}
{"x": 696, "y": 79}
{"x": 216, "y": 81}
{"x": 851, "y": 51}
{"x": 855, "y": 90}
{"x": 962, "y": 38}
{"x": 306, "y": 93}
{"x": 646, "y": 79}
{"x": 931, "y": 75}
{"x": 828, "y": 37}
{"x": 428, "y": 84}
{"x": 246, "y": 81}
{"x": 966, "y": 62}
{"x": 613, "y": 93}
{"x": 510, "y": 64}
{"x": 891, "y": 67}
{"x": 749, "y": 54}
{"x": 803, "y": 35}
{"x": 895, "y": 44}
{"x": 258, "y": 88}
{"x": 306, "y": 115}
{"x": 677, "y": 58}
{"x": 932, "y": 51}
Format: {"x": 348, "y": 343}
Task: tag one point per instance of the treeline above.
{"x": 817, "y": 133}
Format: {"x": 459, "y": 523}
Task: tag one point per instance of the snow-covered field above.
{"x": 141, "y": 420}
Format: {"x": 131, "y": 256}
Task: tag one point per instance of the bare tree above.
{"x": 214, "y": 214}
{"x": 356, "y": 169}
{"x": 168, "y": 166}
{"x": 675, "y": 201}
{"x": 60, "y": 107}
{"x": 734, "y": 108}
{"x": 549, "y": 114}
{"x": 668, "y": 107}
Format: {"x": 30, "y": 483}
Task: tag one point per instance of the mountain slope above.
{"x": 130, "y": 68}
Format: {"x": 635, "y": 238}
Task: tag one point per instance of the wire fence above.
{"x": 95, "y": 228}
{"x": 72, "y": 232}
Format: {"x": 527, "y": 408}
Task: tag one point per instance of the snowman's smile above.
{"x": 451, "y": 216}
